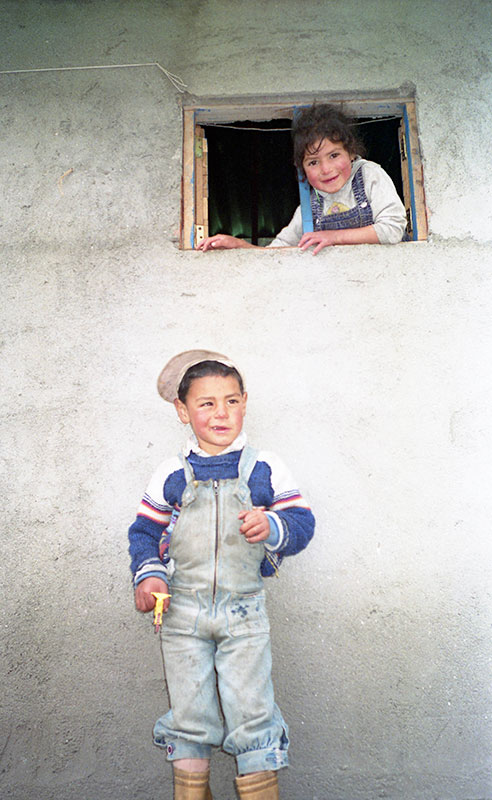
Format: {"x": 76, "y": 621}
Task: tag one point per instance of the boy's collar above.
{"x": 192, "y": 446}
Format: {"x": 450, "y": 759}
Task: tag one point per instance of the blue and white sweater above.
{"x": 271, "y": 486}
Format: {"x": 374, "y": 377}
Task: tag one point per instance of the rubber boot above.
{"x": 262, "y": 786}
{"x": 191, "y": 785}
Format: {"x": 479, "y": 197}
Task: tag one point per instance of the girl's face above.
{"x": 215, "y": 409}
{"x": 328, "y": 166}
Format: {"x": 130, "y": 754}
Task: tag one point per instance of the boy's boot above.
{"x": 259, "y": 786}
{"x": 191, "y": 785}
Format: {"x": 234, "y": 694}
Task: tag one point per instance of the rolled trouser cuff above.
{"x": 181, "y": 748}
{"x": 261, "y": 760}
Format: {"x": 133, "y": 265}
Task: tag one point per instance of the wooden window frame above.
{"x": 194, "y": 206}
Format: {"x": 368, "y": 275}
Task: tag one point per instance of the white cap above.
{"x": 175, "y": 369}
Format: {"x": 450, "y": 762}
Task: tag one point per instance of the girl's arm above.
{"x": 291, "y": 234}
{"x": 388, "y": 214}
{"x": 287, "y": 237}
{"x": 222, "y": 241}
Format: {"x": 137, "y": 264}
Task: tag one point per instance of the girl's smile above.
{"x": 328, "y": 166}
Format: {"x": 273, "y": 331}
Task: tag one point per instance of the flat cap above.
{"x": 175, "y": 369}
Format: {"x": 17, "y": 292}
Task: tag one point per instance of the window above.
{"x": 238, "y": 175}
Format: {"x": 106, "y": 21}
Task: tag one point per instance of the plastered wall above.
{"x": 367, "y": 368}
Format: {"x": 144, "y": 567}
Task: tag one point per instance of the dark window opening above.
{"x": 380, "y": 137}
{"x": 252, "y": 190}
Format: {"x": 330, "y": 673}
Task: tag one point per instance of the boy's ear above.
{"x": 245, "y": 400}
{"x": 181, "y": 411}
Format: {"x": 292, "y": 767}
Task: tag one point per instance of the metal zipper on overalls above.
{"x": 216, "y": 493}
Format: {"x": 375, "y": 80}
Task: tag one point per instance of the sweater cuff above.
{"x": 153, "y": 568}
{"x": 276, "y": 536}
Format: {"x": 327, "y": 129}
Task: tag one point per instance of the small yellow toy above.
{"x": 158, "y": 609}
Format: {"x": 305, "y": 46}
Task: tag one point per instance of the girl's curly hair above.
{"x": 319, "y": 122}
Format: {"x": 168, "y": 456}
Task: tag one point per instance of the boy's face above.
{"x": 328, "y": 166}
{"x": 215, "y": 409}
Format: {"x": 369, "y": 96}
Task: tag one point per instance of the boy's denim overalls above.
{"x": 216, "y": 633}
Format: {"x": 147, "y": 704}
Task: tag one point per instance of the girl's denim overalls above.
{"x": 357, "y": 217}
{"x": 216, "y": 633}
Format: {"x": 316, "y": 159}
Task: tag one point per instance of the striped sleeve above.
{"x": 286, "y": 493}
{"x": 153, "y": 515}
{"x": 289, "y": 509}
{"x": 153, "y": 505}
{"x": 157, "y": 512}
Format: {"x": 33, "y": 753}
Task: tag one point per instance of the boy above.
{"x": 213, "y": 521}
{"x": 353, "y": 201}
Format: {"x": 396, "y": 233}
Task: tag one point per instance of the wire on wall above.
{"x": 174, "y": 79}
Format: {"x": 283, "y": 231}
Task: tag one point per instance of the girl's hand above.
{"x": 222, "y": 241}
{"x": 255, "y": 527}
{"x": 364, "y": 235}
{"x": 144, "y": 600}
{"x": 319, "y": 238}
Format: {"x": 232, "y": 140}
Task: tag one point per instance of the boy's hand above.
{"x": 255, "y": 527}
{"x": 144, "y": 600}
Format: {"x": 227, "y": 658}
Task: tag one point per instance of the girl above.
{"x": 353, "y": 201}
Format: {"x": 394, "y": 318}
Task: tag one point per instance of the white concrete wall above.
{"x": 368, "y": 370}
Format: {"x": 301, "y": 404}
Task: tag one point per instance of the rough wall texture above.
{"x": 374, "y": 359}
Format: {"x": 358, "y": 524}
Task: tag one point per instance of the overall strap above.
{"x": 188, "y": 469}
{"x": 361, "y": 197}
{"x": 247, "y": 461}
{"x": 316, "y": 207}
{"x": 358, "y": 186}
{"x": 189, "y": 492}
